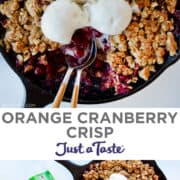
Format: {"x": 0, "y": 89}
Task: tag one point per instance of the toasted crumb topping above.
{"x": 146, "y": 41}
{"x": 23, "y": 32}
{"x": 132, "y": 170}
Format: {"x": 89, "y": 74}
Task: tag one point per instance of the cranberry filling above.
{"x": 77, "y": 51}
{"x": 98, "y": 80}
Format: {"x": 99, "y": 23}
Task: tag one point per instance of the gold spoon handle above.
{"x": 60, "y": 94}
{"x": 75, "y": 95}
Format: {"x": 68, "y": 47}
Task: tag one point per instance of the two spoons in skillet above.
{"x": 79, "y": 65}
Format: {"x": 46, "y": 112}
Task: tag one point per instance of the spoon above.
{"x": 79, "y": 66}
{"x": 78, "y": 170}
{"x": 74, "y": 100}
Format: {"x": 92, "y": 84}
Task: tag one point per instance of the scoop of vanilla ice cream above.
{"x": 116, "y": 176}
{"x": 110, "y": 16}
{"x": 61, "y": 19}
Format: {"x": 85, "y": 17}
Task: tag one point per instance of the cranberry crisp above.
{"x": 122, "y": 60}
{"x": 132, "y": 170}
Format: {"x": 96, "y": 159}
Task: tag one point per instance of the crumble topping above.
{"x": 130, "y": 169}
{"x": 23, "y": 32}
{"x": 146, "y": 40}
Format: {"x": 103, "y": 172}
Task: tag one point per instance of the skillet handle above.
{"x": 71, "y": 167}
{"x": 75, "y": 170}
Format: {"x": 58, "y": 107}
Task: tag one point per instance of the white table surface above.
{"x": 163, "y": 92}
{"x": 22, "y": 170}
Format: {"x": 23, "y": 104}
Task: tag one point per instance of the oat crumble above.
{"x": 23, "y": 32}
{"x": 132, "y": 170}
{"x": 146, "y": 40}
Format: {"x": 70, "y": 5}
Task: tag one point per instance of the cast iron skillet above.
{"x": 38, "y": 97}
{"x": 77, "y": 171}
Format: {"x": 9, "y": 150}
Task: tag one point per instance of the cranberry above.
{"x": 78, "y": 52}
{"x": 97, "y": 34}
{"x": 38, "y": 71}
{"x": 122, "y": 89}
{"x": 98, "y": 64}
{"x": 106, "y": 47}
{"x": 87, "y": 81}
{"x": 122, "y": 78}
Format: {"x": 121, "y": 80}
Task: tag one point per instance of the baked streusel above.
{"x": 146, "y": 40}
{"x": 132, "y": 170}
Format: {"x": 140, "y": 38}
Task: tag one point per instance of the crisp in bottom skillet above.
{"x": 77, "y": 171}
